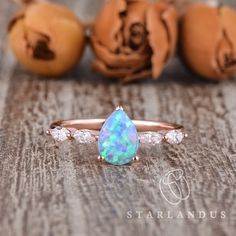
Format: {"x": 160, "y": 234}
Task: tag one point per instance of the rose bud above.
{"x": 47, "y": 38}
{"x": 133, "y": 39}
{"x": 208, "y": 40}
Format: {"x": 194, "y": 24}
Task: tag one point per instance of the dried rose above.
{"x": 208, "y": 40}
{"x": 47, "y": 38}
{"x": 133, "y": 39}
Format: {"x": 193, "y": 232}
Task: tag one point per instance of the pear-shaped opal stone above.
{"x": 118, "y": 139}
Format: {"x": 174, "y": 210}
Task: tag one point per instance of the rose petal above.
{"x": 19, "y": 15}
{"x": 228, "y": 19}
{"x": 137, "y": 76}
{"x": 118, "y": 59}
{"x": 37, "y": 18}
{"x": 126, "y": 75}
{"x": 135, "y": 17}
{"x": 227, "y": 45}
{"x": 109, "y": 24}
{"x": 169, "y": 17}
{"x": 158, "y": 37}
{"x": 37, "y": 46}
{"x": 224, "y": 51}
{"x": 101, "y": 67}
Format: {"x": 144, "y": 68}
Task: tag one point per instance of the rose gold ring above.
{"x": 118, "y": 136}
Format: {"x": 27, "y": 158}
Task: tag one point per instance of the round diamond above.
{"x": 84, "y": 136}
{"x": 59, "y": 134}
{"x": 151, "y": 138}
{"x": 174, "y": 136}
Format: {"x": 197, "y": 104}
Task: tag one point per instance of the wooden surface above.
{"x": 52, "y": 191}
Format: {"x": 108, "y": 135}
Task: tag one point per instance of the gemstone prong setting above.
{"x": 100, "y": 158}
{"x": 48, "y": 132}
{"x": 69, "y": 136}
{"x": 136, "y": 158}
{"x": 119, "y": 108}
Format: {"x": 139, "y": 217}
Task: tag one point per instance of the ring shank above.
{"x": 96, "y": 124}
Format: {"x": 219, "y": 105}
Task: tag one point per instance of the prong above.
{"x": 164, "y": 138}
{"x": 136, "y": 158}
{"x": 69, "y": 136}
{"x": 48, "y": 132}
{"x": 119, "y": 108}
{"x": 100, "y": 158}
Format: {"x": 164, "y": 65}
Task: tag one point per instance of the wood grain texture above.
{"x": 50, "y": 191}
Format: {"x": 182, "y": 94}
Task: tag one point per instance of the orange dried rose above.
{"x": 47, "y": 38}
{"x": 208, "y": 40}
{"x": 133, "y": 39}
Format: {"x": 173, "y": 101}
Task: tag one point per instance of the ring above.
{"x": 118, "y": 136}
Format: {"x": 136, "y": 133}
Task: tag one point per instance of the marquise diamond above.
{"x": 59, "y": 134}
{"x": 174, "y": 136}
{"x": 84, "y": 136}
{"x": 151, "y": 138}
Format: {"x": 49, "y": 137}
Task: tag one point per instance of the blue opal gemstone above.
{"x": 118, "y": 139}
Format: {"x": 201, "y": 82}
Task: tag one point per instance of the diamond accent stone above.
{"x": 174, "y": 136}
{"x": 151, "y": 138}
{"x": 84, "y": 136}
{"x": 59, "y": 134}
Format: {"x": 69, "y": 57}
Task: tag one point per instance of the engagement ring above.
{"x": 118, "y": 136}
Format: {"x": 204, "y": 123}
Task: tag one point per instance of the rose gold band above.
{"x": 96, "y": 124}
